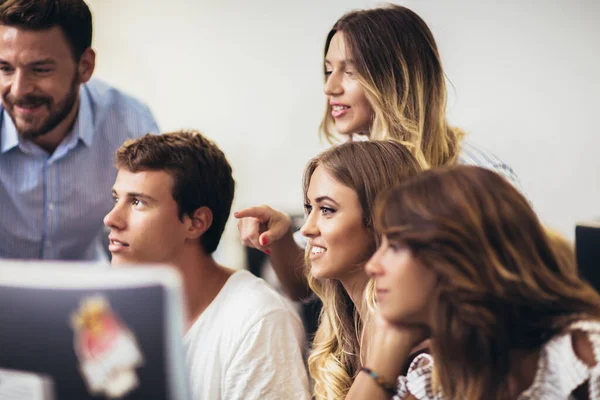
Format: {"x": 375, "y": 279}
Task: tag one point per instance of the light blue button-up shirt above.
{"x": 52, "y": 205}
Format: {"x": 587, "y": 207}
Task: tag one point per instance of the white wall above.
{"x": 524, "y": 79}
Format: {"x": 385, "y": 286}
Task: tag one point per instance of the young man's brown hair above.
{"x": 202, "y": 176}
{"x": 73, "y": 17}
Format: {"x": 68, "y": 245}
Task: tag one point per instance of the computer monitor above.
{"x": 86, "y": 331}
{"x": 587, "y": 248}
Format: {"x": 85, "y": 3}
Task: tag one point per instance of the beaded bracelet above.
{"x": 389, "y": 388}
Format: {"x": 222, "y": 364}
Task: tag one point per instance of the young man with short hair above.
{"x": 173, "y": 196}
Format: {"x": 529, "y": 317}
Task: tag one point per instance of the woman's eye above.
{"x": 327, "y": 210}
{"x": 396, "y": 246}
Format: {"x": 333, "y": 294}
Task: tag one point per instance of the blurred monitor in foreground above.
{"x": 75, "y": 331}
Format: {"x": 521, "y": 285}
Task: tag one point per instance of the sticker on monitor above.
{"x": 107, "y": 350}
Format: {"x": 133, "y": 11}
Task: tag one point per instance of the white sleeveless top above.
{"x": 559, "y": 370}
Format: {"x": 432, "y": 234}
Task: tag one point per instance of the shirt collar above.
{"x": 84, "y": 123}
{"x": 82, "y": 129}
{"x": 8, "y": 137}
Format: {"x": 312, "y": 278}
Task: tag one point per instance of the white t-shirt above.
{"x": 247, "y": 344}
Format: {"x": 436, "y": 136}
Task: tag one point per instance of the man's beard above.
{"x": 57, "y": 112}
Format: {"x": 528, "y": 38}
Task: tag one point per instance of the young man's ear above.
{"x": 201, "y": 220}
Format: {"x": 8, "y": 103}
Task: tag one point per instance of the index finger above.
{"x": 261, "y": 213}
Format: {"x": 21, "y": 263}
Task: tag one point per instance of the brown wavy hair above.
{"x": 368, "y": 168}
{"x": 399, "y": 66}
{"x": 502, "y": 285}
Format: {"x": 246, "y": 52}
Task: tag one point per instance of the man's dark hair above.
{"x": 202, "y": 176}
{"x": 73, "y": 17}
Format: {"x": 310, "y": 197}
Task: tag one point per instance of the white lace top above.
{"x": 559, "y": 370}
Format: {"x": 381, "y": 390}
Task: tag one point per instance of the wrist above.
{"x": 386, "y": 384}
{"x": 388, "y": 363}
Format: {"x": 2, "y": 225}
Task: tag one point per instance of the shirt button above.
{"x": 50, "y": 206}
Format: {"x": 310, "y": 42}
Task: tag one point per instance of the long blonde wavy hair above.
{"x": 399, "y": 66}
{"x": 503, "y": 283}
{"x": 368, "y": 168}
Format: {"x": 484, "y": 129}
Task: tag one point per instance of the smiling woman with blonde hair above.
{"x": 340, "y": 188}
{"x": 388, "y": 57}
{"x": 384, "y": 79}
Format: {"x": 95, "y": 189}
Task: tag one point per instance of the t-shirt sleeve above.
{"x": 269, "y": 363}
